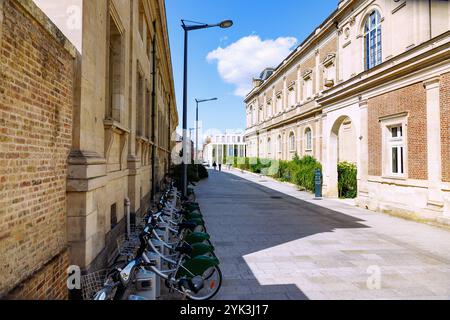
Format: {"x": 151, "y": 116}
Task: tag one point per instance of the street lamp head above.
{"x": 226, "y": 24}
{"x": 205, "y": 100}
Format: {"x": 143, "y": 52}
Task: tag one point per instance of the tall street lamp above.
{"x": 187, "y": 28}
{"x": 196, "y": 123}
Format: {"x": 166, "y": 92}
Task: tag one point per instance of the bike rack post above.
{"x": 127, "y": 204}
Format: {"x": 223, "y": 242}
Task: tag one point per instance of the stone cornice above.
{"x": 417, "y": 58}
{"x": 305, "y": 47}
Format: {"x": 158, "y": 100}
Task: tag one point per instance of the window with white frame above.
{"x": 308, "y": 138}
{"x": 394, "y": 146}
{"x": 269, "y": 109}
{"x": 269, "y": 146}
{"x": 292, "y": 142}
{"x": 372, "y": 40}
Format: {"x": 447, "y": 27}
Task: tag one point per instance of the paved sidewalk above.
{"x": 275, "y": 242}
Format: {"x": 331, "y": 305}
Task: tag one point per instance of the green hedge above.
{"x": 305, "y": 176}
{"x": 298, "y": 171}
{"x": 347, "y": 183}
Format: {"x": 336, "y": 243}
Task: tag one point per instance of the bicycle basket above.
{"x": 93, "y": 282}
{"x": 128, "y": 246}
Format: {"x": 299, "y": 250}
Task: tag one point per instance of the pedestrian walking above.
{"x": 214, "y": 165}
{"x": 220, "y": 167}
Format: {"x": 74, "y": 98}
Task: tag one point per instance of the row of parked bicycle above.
{"x": 169, "y": 245}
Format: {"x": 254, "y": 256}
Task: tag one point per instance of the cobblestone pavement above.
{"x": 275, "y": 242}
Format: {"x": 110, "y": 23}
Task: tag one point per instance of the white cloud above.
{"x": 246, "y": 58}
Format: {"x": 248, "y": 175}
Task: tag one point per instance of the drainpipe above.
{"x": 429, "y": 18}
{"x": 152, "y": 182}
{"x": 127, "y": 204}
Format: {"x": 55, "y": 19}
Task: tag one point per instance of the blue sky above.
{"x": 264, "y": 32}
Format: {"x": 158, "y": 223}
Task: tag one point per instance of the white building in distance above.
{"x": 220, "y": 147}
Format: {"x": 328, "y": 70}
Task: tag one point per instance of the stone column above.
{"x": 435, "y": 200}
{"x": 318, "y": 136}
{"x": 264, "y": 112}
{"x": 316, "y": 78}
{"x": 285, "y": 94}
{"x": 299, "y": 87}
{"x": 274, "y": 102}
{"x": 363, "y": 156}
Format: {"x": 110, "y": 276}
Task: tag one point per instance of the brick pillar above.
{"x": 435, "y": 200}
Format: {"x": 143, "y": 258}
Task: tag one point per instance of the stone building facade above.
{"x": 122, "y": 126}
{"x": 223, "y": 148}
{"x": 370, "y": 85}
{"x": 83, "y": 132}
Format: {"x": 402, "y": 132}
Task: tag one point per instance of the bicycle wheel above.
{"x": 211, "y": 286}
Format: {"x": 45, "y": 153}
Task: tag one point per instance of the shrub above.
{"x": 305, "y": 175}
{"x": 298, "y": 171}
{"x": 347, "y": 182}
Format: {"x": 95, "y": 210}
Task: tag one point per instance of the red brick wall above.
{"x": 49, "y": 283}
{"x": 411, "y": 99}
{"x": 36, "y": 99}
{"x": 445, "y": 125}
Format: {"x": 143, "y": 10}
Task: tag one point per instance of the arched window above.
{"x": 292, "y": 141}
{"x": 308, "y": 136}
{"x": 269, "y": 147}
{"x": 372, "y": 39}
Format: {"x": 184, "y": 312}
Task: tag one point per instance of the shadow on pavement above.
{"x": 244, "y": 217}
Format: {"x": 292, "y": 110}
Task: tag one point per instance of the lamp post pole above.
{"x": 185, "y": 155}
{"x": 187, "y": 28}
{"x": 196, "y": 133}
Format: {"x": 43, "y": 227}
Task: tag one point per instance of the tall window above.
{"x": 292, "y": 141}
{"x": 396, "y": 147}
{"x": 139, "y": 104}
{"x": 116, "y": 72}
{"x": 372, "y": 40}
{"x": 308, "y": 135}
{"x": 269, "y": 146}
{"x": 142, "y": 25}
